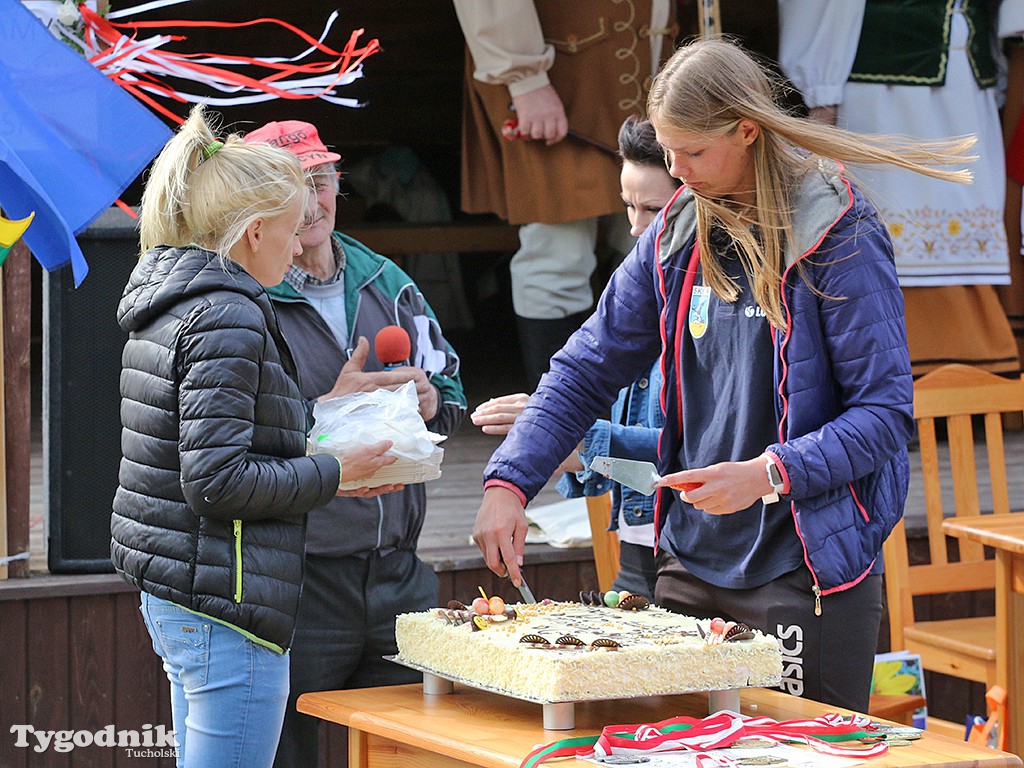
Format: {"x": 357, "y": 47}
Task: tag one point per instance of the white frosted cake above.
{"x": 553, "y": 652}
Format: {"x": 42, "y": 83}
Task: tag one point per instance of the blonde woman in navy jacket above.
{"x": 768, "y": 287}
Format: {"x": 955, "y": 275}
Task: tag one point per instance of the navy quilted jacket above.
{"x": 844, "y": 393}
{"x": 214, "y": 482}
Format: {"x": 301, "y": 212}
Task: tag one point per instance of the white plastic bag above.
{"x": 363, "y": 418}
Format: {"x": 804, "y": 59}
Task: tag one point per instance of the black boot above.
{"x": 540, "y": 339}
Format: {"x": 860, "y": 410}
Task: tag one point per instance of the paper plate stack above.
{"x": 404, "y": 471}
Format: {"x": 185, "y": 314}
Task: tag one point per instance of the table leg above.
{"x": 437, "y": 686}
{"x": 560, "y": 716}
{"x": 357, "y": 752}
{"x": 1010, "y": 642}
{"x": 724, "y": 700}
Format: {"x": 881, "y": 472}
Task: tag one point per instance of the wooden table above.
{"x": 400, "y": 726}
{"x": 1006, "y": 534}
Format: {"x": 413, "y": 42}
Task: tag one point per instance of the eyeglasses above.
{"x": 325, "y": 183}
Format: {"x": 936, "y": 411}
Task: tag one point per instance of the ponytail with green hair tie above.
{"x": 211, "y": 149}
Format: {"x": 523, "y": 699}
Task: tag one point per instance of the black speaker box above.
{"x": 82, "y": 345}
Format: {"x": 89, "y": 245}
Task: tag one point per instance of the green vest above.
{"x": 906, "y": 42}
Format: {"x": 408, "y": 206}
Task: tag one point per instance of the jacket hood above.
{"x": 824, "y": 195}
{"x": 166, "y": 276}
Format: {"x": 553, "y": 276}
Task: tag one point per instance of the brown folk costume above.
{"x": 602, "y": 70}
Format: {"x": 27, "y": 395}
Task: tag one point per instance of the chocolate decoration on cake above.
{"x": 634, "y": 603}
{"x": 737, "y": 632}
{"x": 534, "y": 640}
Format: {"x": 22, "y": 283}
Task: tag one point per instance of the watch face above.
{"x": 775, "y": 475}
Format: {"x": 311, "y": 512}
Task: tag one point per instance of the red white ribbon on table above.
{"x": 141, "y": 65}
{"x": 716, "y": 731}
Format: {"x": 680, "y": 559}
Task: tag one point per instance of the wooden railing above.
{"x": 403, "y": 239}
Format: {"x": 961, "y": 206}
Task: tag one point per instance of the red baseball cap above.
{"x": 299, "y": 138}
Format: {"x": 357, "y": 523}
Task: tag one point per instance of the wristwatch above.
{"x": 775, "y": 478}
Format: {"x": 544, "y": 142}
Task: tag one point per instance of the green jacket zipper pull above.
{"x": 237, "y": 524}
{"x": 817, "y": 599}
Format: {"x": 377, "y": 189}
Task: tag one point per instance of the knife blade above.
{"x": 525, "y": 592}
{"x": 641, "y": 476}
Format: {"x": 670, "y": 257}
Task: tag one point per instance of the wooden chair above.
{"x": 606, "y": 543}
{"x": 963, "y": 647}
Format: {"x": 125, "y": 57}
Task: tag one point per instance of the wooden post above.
{"x": 710, "y": 19}
{"x": 15, "y": 386}
{"x": 3, "y": 463}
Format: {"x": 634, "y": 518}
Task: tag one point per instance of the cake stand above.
{"x": 558, "y": 715}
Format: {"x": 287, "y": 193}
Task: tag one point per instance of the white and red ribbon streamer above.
{"x": 824, "y": 734}
{"x": 723, "y": 729}
{"x": 143, "y": 65}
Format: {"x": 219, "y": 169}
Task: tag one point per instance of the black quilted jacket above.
{"x": 214, "y": 482}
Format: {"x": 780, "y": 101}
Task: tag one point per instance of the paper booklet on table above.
{"x": 900, "y": 673}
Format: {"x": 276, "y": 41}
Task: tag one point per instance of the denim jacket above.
{"x": 632, "y": 433}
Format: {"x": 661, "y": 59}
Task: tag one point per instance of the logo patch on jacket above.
{"x": 698, "y": 315}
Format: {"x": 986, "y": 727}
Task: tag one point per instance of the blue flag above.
{"x": 70, "y": 139}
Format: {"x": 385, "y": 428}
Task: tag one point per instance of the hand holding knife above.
{"x": 500, "y": 532}
{"x": 641, "y": 476}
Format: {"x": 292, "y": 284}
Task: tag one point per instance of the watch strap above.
{"x": 775, "y": 479}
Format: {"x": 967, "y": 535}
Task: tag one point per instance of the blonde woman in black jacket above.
{"x": 209, "y": 516}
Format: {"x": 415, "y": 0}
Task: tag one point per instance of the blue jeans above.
{"x": 228, "y": 694}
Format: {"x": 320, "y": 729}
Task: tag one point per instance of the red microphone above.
{"x": 393, "y": 346}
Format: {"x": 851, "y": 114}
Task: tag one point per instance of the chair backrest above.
{"x": 606, "y": 543}
{"x": 954, "y": 394}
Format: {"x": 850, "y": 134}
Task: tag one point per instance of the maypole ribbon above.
{"x": 822, "y": 734}
{"x": 142, "y": 65}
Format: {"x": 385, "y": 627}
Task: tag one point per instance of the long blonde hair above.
{"x": 706, "y": 88}
{"x": 207, "y": 191}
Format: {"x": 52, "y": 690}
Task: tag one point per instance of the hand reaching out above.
{"x": 496, "y": 416}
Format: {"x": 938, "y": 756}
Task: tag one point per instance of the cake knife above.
{"x": 641, "y": 476}
{"x": 525, "y": 592}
